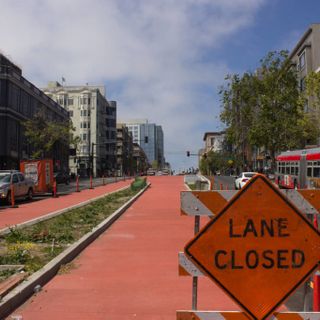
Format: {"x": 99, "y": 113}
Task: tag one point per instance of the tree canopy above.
{"x": 44, "y": 135}
{"x": 264, "y": 109}
{"x": 225, "y": 162}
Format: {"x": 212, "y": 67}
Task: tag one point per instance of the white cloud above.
{"x": 158, "y": 51}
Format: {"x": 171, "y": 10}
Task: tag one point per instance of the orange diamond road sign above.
{"x": 259, "y": 248}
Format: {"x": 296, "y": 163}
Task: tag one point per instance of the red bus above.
{"x": 298, "y": 169}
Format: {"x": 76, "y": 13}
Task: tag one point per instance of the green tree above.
{"x": 276, "y": 124}
{"x": 263, "y": 109}
{"x": 218, "y": 161}
{"x": 239, "y": 101}
{"x": 44, "y": 135}
{"x": 155, "y": 164}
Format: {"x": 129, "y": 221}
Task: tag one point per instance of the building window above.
{"x": 84, "y": 113}
{"x": 61, "y": 100}
{"x": 70, "y": 101}
{"x": 302, "y": 84}
{"x": 302, "y": 60}
{"x": 85, "y": 100}
{"x": 71, "y": 113}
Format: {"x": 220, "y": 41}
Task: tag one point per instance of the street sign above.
{"x": 259, "y": 248}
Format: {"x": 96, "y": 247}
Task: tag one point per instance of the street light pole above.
{"x": 91, "y": 150}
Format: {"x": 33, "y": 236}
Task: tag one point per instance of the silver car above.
{"x": 23, "y": 187}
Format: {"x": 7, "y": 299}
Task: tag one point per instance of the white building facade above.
{"x": 94, "y": 120}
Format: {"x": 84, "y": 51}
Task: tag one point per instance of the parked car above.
{"x": 22, "y": 186}
{"x": 242, "y": 179}
{"x": 151, "y": 172}
{"x": 62, "y": 177}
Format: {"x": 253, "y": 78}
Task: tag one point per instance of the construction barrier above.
{"x": 210, "y": 203}
{"x": 13, "y": 203}
{"x": 237, "y": 315}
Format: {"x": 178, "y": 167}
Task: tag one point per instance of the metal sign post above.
{"x": 195, "y": 279}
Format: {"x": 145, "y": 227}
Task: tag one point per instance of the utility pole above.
{"x": 91, "y": 150}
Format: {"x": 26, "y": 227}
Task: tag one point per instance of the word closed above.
{"x": 266, "y": 258}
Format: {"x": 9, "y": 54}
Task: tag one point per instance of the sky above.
{"x": 161, "y": 60}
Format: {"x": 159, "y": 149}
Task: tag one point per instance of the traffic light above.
{"x": 188, "y": 153}
{"x": 146, "y": 139}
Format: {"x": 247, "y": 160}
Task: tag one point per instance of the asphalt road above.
{"x": 64, "y": 189}
{"x": 85, "y": 184}
{"x": 224, "y": 182}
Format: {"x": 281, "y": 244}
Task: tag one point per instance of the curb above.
{"x": 22, "y": 292}
{"x": 53, "y": 214}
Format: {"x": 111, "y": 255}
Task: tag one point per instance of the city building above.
{"x": 151, "y": 139}
{"x": 160, "y": 147}
{"x": 140, "y": 160}
{"x": 94, "y": 120}
{"x": 306, "y": 54}
{"x": 20, "y": 100}
{"x": 214, "y": 141}
{"x": 125, "y": 165}
{"x": 306, "y": 59}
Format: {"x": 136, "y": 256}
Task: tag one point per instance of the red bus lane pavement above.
{"x": 131, "y": 271}
{"x": 32, "y": 210}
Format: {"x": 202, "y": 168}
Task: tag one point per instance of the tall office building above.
{"x": 160, "y": 147}
{"x": 94, "y": 119}
{"x": 150, "y": 137}
{"x": 20, "y": 100}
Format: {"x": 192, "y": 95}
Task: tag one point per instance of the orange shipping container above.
{"x": 40, "y": 171}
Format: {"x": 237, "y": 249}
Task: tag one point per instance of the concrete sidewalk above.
{"x": 131, "y": 271}
{"x": 35, "y": 209}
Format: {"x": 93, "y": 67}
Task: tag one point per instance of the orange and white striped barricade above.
{"x": 238, "y": 315}
{"x": 214, "y": 203}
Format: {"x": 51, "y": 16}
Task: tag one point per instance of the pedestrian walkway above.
{"x": 131, "y": 271}
{"x": 31, "y": 210}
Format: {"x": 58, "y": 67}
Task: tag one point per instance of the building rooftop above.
{"x": 56, "y": 86}
{"x": 296, "y": 49}
{"x": 216, "y": 133}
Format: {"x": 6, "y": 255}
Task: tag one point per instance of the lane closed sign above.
{"x": 259, "y": 248}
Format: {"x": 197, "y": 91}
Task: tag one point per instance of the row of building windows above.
{"x": 85, "y": 136}
{"x": 66, "y": 101}
{"x": 85, "y": 125}
{"x": 21, "y": 101}
{"x": 85, "y": 113}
